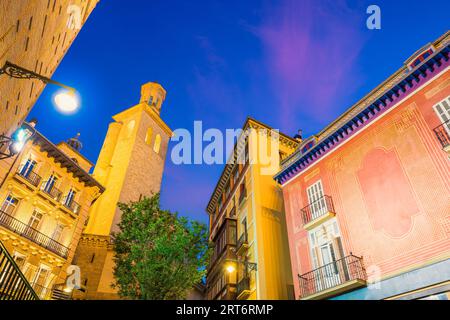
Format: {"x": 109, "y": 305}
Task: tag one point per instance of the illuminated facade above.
{"x": 45, "y": 199}
{"x": 130, "y": 166}
{"x": 367, "y": 199}
{"x": 247, "y": 226}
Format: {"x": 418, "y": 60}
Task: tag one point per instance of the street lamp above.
{"x": 66, "y": 101}
{"x": 230, "y": 267}
{"x": 17, "y": 140}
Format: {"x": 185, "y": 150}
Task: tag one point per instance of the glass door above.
{"x": 27, "y": 168}
{"x": 316, "y": 200}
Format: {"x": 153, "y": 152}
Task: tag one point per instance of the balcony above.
{"x": 30, "y": 176}
{"x": 317, "y": 212}
{"x": 32, "y": 234}
{"x": 333, "y": 279}
{"x": 51, "y": 191}
{"x": 71, "y": 205}
{"x": 42, "y": 292}
{"x": 243, "y": 288}
{"x": 242, "y": 244}
{"x": 13, "y": 284}
{"x": 443, "y": 134}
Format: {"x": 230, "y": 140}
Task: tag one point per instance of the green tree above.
{"x": 158, "y": 254}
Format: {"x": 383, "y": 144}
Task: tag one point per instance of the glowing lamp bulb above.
{"x": 230, "y": 268}
{"x": 66, "y": 101}
{"x": 16, "y": 147}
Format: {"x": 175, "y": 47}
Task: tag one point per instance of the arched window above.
{"x": 148, "y": 136}
{"x": 157, "y": 144}
{"x": 130, "y": 127}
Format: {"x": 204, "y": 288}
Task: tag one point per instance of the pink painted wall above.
{"x": 390, "y": 186}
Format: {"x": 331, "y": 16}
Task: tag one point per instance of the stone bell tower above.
{"x": 130, "y": 166}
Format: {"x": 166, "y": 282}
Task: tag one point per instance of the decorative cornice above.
{"x": 65, "y": 161}
{"x": 396, "y": 89}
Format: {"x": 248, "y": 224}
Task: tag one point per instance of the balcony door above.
{"x": 32, "y": 230}
{"x": 40, "y": 281}
{"x": 70, "y": 197}
{"x": 27, "y": 168}
{"x": 51, "y": 183}
{"x": 9, "y": 206}
{"x": 316, "y": 200}
{"x": 327, "y": 252}
{"x": 442, "y": 109}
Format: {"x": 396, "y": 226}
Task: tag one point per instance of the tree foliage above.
{"x": 158, "y": 254}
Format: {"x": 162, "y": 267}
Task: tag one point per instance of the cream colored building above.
{"x": 35, "y": 35}
{"x": 45, "y": 199}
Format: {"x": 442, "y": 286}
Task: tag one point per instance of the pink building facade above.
{"x": 368, "y": 199}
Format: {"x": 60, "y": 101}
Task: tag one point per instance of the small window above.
{"x": 57, "y": 233}
{"x": 35, "y": 220}
{"x": 148, "y": 136}
{"x": 10, "y": 205}
{"x": 157, "y": 144}
{"x": 130, "y": 127}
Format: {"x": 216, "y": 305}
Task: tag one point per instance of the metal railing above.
{"x": 243, "y": 285}
{"x": 72, "y": 206}
{"x": 317, "y": 209}
{"x": 52, "y": 191}
{"x": 443, "y": 134}
{"x": 32, "y": 234}
{"x": 243, "y": 239}
{"x": 42, "y": 292}
{"x": 332, "y": 275}
{"x": 13, "y": 284}
{"x": 29, "y": 175}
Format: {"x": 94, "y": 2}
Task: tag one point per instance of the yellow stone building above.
{"x": 45, "y": 198}
{"x": 247, "y": 224}
{"x": 130, "y": 166}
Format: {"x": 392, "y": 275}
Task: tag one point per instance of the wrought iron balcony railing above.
{"x": 29, "y": 175}
{"x": 443, "y": 134}
{"x": 243, "y": 285}
{"x": 13, "y": 284}
{"x": 32, "y": 234}
{"x": 349, "y": 270}
{"x": 242, "y": 242}
{"x": 52, "y": 191}
{"x": 42, "y": 292}
{"x": 72, "y": 205}
{"x": 317, "y": 209}
{"x": 58, "y": 292}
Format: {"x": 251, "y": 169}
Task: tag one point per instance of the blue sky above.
{"x": 289, "y": 63}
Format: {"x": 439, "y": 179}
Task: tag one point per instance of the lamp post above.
{"x": 66, "y": 101}
{"x": 231, "y": 265}
{"x": 15, "y": 71}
